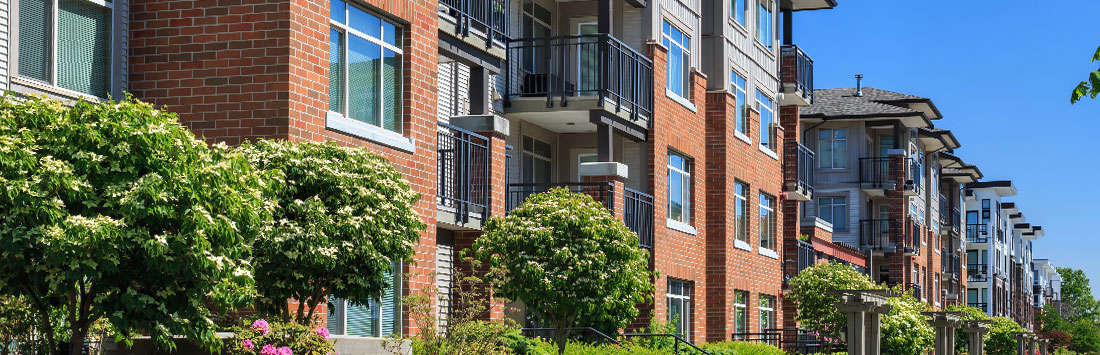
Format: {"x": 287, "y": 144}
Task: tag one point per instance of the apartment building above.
{"x": 1047, "y": 286}
{"x": 1022, "y": 276}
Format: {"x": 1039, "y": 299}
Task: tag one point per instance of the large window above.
{"x": 767, "y": 221}
{"x": 767, "y": 312}
{"x": 764, "y": 24}
{"x": 738, "y": 9}
{"x": 766, "y": 107}
{"x": 536, "y": 24}
{"x": 832, "y": 148}
{"x": 679, "y": 306}
{"x": 67, "y": 44}
{"x": 679, "y": 188}
{"x": 835, "y": 211}
{"x": 741, "y": 211}
{"x": 679, "y": 60}
{"x": 536, "y": 161}
{"x": 378, "y": 318}
{"x": 365, "y": 67}
{"x": 741, "y": 117}
{"x": 740, "y": 311}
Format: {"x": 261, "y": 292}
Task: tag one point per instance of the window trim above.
{"x": 686, "y": 186}
{"x": 771, "y": 144}
{"x": 741, "y": 221}
{"x": 772, "y": 221}
{"x": 770, "y": 309}
{"x": 685, "y": 299}
{"x": 771, "y": 24}
{"x": 743, "y": 125}
{"x": 117, "y": 71}
{"x": 686, "y": 49}
{"x": 744, "y": 308}
{"x": 843, "y": 206}
{"x": 832, "y": 148}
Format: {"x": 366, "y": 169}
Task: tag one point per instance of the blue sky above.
{"x": 1001, "y": 73}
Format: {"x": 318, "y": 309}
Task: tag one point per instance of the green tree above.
{"x": 816, "y": 307}
{"x": 1090, "y": 87}
{"x": 1077, "y": 300}
{"x": 343, "y": 218}
{"x": 114, "y": 210}
{"x": 1085, "y": 337}
{"x": 905, "y": 331}
{"x": 568, "y": 259}
{"x": 1001, "y": 339}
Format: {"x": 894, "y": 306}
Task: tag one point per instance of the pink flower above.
{"x": 260, "y": 326}
{"x": 323, "y": 332}
{"x": 269, "y": 350}
{"x": 247, "y": 344}
{"x": 285, "y": 351}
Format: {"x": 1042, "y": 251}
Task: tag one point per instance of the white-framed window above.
{"x": 679, "y": 306}
{"x": 741, "y": 116}
{"x": 740, "y": 311}
{"x": 766, "y": 106}
{"x": 67, "y": 44}
{"x": 679, "y": 188}
{"x": 832, "y": 148}
{"x": 835, "y": 211}
{"x": 378, "y": 318}
{"x": 679, "y": 59}
{"x": 738, "y": 10}
{"x": 365, "y": 67}
{"x": 767, "y": 312}
{"x": 764, "y": 23}
{"x": 741, "y": 211}
{"x": 767, "y": 221}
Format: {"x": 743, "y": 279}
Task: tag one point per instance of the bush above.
{"x": 816, "y": 308}
{"x": 904, "y": 330}
{"x": 541, "y": 347}
{"x": 1001, "y": 339}
{"x": 278, "y": 338}
{"x": 742, "y": 348}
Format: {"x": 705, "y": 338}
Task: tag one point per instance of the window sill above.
{"x": 737, "y": 26}
{"x": 768, "y": 152}
{"x": 742, "y": 137}
{"x": 681, "y": 100}
{"x": 35, "y": 86}
{"x": 681, "y": 227}
{"x": 768, "y": 253}
{"x": 338, "y": 122}
{"x": 737, "y": 243}
{"x": 765, "y": 49}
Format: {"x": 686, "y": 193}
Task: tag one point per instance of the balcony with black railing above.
{"x": 984, "y": 306}
{"x": 796, "y": 69}
{"x": 482, "y": 21}
{"x": 911, "y": 239}
{"x": 638, "y": 215}
{"x": 977, "y": 233}
{"x": 807, "y": 257}
{"x": 977, "y": 272}
{"x": 798, "y": 171}
{"x": 878, "y": 174}
{"x": 554, "y": 81}
{"x": 878, "y": 234}
{"x": 463, "y": 165}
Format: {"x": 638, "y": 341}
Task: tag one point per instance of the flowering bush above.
{"x": 1001, "y": 339}
{"x": 905, "y": 331}
{"x": 816, "y": 307}
{"x": 278, "y": 338}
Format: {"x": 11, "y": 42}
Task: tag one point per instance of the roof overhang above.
{"x": 1009, "y": 207}
{"x": 1001, "y": 187}
{"x": 1017, "y": 217}
{"x": 805, "y": 5}
{"x": 908, "y": 119}
{"x": 966, "y": 174}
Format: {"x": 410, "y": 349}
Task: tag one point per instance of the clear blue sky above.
{"x": 1001, "y": 73}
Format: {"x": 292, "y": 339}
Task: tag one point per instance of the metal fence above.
{"x": 463, "y": 167}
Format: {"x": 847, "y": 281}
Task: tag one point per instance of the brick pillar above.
{"x": 791, "y": 209}
{"x": 721, "y": 107}
{"x": 900, "y": 266}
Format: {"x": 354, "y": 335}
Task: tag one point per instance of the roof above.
{"x": 842, "y": 103}
{"x": 1002, "y": 187}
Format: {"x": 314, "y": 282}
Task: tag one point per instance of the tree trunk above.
{"x": 76, "y": 341}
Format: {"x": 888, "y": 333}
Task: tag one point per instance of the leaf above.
{"x": 1096, "y": 57}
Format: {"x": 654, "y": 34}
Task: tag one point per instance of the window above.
{"x": 764, "y": 23}
{"x": 738, "y": 9}
{"x": 365, "y": 67}
{"x": 767, "y": 221}
{"x": 832, "y": 148}
{"x": 536, "y": 160}
{"x": 679, "y": 60}
{"x": 767, "y": 312}
{"x": 740, "y": 312}
{"x": 536, "y": 24}
{"x": 679, "y": 188}
{"x": 741, "y": 211}
{"x": 679, "y": 306}
{"x": 67, "y": 44}
{"x": 378, "y": 318}
{"x": 741, "y": 117}
{"x": 767, "y": 113}
{"x": 835, "y": 211}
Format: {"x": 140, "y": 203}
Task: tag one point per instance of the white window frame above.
{"x": 741, "y": 213}
{"x": 769, "y": 43}
{"x": 770, "y": 309}
{"x": 741, "y": 126}
{"x": 685, "y": 71}
{"x": 686, "y": 305}
{"x": 766, "y": 130}
{"x": 832, "y": 145}
{"x": 744, "y": 308}
{"x": 771, "y": 221}
{"x": 832, "y": 209}
{"x": 685, "y": 185}
{"x": 743, "y": 21}
{"x": 52, "y": 86}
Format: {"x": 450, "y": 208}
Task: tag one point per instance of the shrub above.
{"x": 1001, "y": 339}
{"x": 962, "y": 339}
{"x": 742, "y": 348}
{"x": 904, "y": 330}
{"x": 278, "y": 338}
{"x": 576, "y": 348}
{"x": 816, "y": 308}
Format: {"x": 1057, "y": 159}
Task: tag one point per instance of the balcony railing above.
{"x": 798, "y": 69}
{"x": 463, "y": 169}
{"x": 956, "y": 219}
{"x": 876, "y": 234}
{"x": 982, "y": 306}
{"x": 877, "y": 173}
{"x": 977, "y": 272}
{"x": 949, "y": 262}
{"x": 802, "y": 174}
{"x": 913, "y": 173}
{"x": 638, "y": 216}
{"x": 583, "y": 65}
{"x": 977, "y": 233}
{"x": 486, "y": 16}
{"x": 912, "y": 239}
{"x": 603, "y": 192}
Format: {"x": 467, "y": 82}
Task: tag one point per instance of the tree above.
{"x": 1085, "y": 337}
{"x": 905, "y": 331}
{"x": 343, "y": 218}
{"x": 114, "y": 210}
{"x": 816, "y": 307}
{"x": 1001, "y": 339}
{"x": 1077, "y": 300}
{"x": 1091, "y": 87}
{"x": 567, "y": 258}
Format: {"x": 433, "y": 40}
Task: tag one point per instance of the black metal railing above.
{"x": 977, "y": 272}
{"x": 677, "y": 339}
{"x": 874, "y": 172}
{"x": 487, "y": 16}
{"x": 912, "y": 239}
{"x": 977, "y": 233}
{"x": 603, "y": 192}
{"x": 913, "y": 174}
{"x": 807, "y": 256}
{"x": 980, "y": 305}
{"x": 463, "y": 171}
{"x": 916, "y": 290}
{"x": 581, "y": 65}
{"x": 793, "y": 340}
{"x": 638, "y": 215}
{"x": 802, "y": 174}
{"x": 581, "y": 334}
{"x": 956, "y": 219}
{"x": 876, "y": 234}
{"x": 794, "y": 59}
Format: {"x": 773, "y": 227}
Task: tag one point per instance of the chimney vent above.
{"x": 859, "y": 85}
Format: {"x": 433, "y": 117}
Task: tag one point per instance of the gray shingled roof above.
{"x": 842, "y": 102}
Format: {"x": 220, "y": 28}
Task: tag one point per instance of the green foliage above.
{"x": 343, "y": 218}
{"x": 1077, "y": 299}
{"x": 816, "y": 308}
{"x": 1085, "y": 337}
{"x": 567, "y": 259}
{"x": 114, "y": 210}
{"x": 904, "y": 330}
{"x": 962, "y": 340}
{"x": 577, "y": 348}
{"x": 1089, "y": 88}
{"x": 300, "y": 339}
{"x": 17, "y": 323}
{"x": 1001, "y": 339}
{"x": 742, "y": 348}
{"x": 657, "y": 326}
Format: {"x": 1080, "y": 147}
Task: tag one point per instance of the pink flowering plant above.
{"x": 263, "y": 337}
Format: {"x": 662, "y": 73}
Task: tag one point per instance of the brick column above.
{"x": 900, "y": 267}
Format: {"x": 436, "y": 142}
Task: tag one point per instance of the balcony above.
{"x": 799, "y": 171}
{"x": 796, "y": 70}
{"x": 982, "y": 306}
{"x": 977, "y": 273}
{"x": 483, "y": 23}
{"x": 638, "y": 216}
{"x": 949, "y": 265}
{"x": 912, "y": 240}
{"x": 463, "y": 175}
{"x": 977, "y": 233}
{"x": 875, "y": 234}
{"x": 554, "y": 82}
{"x": 878, "y": 174}
{"x": 807, "y": 257}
